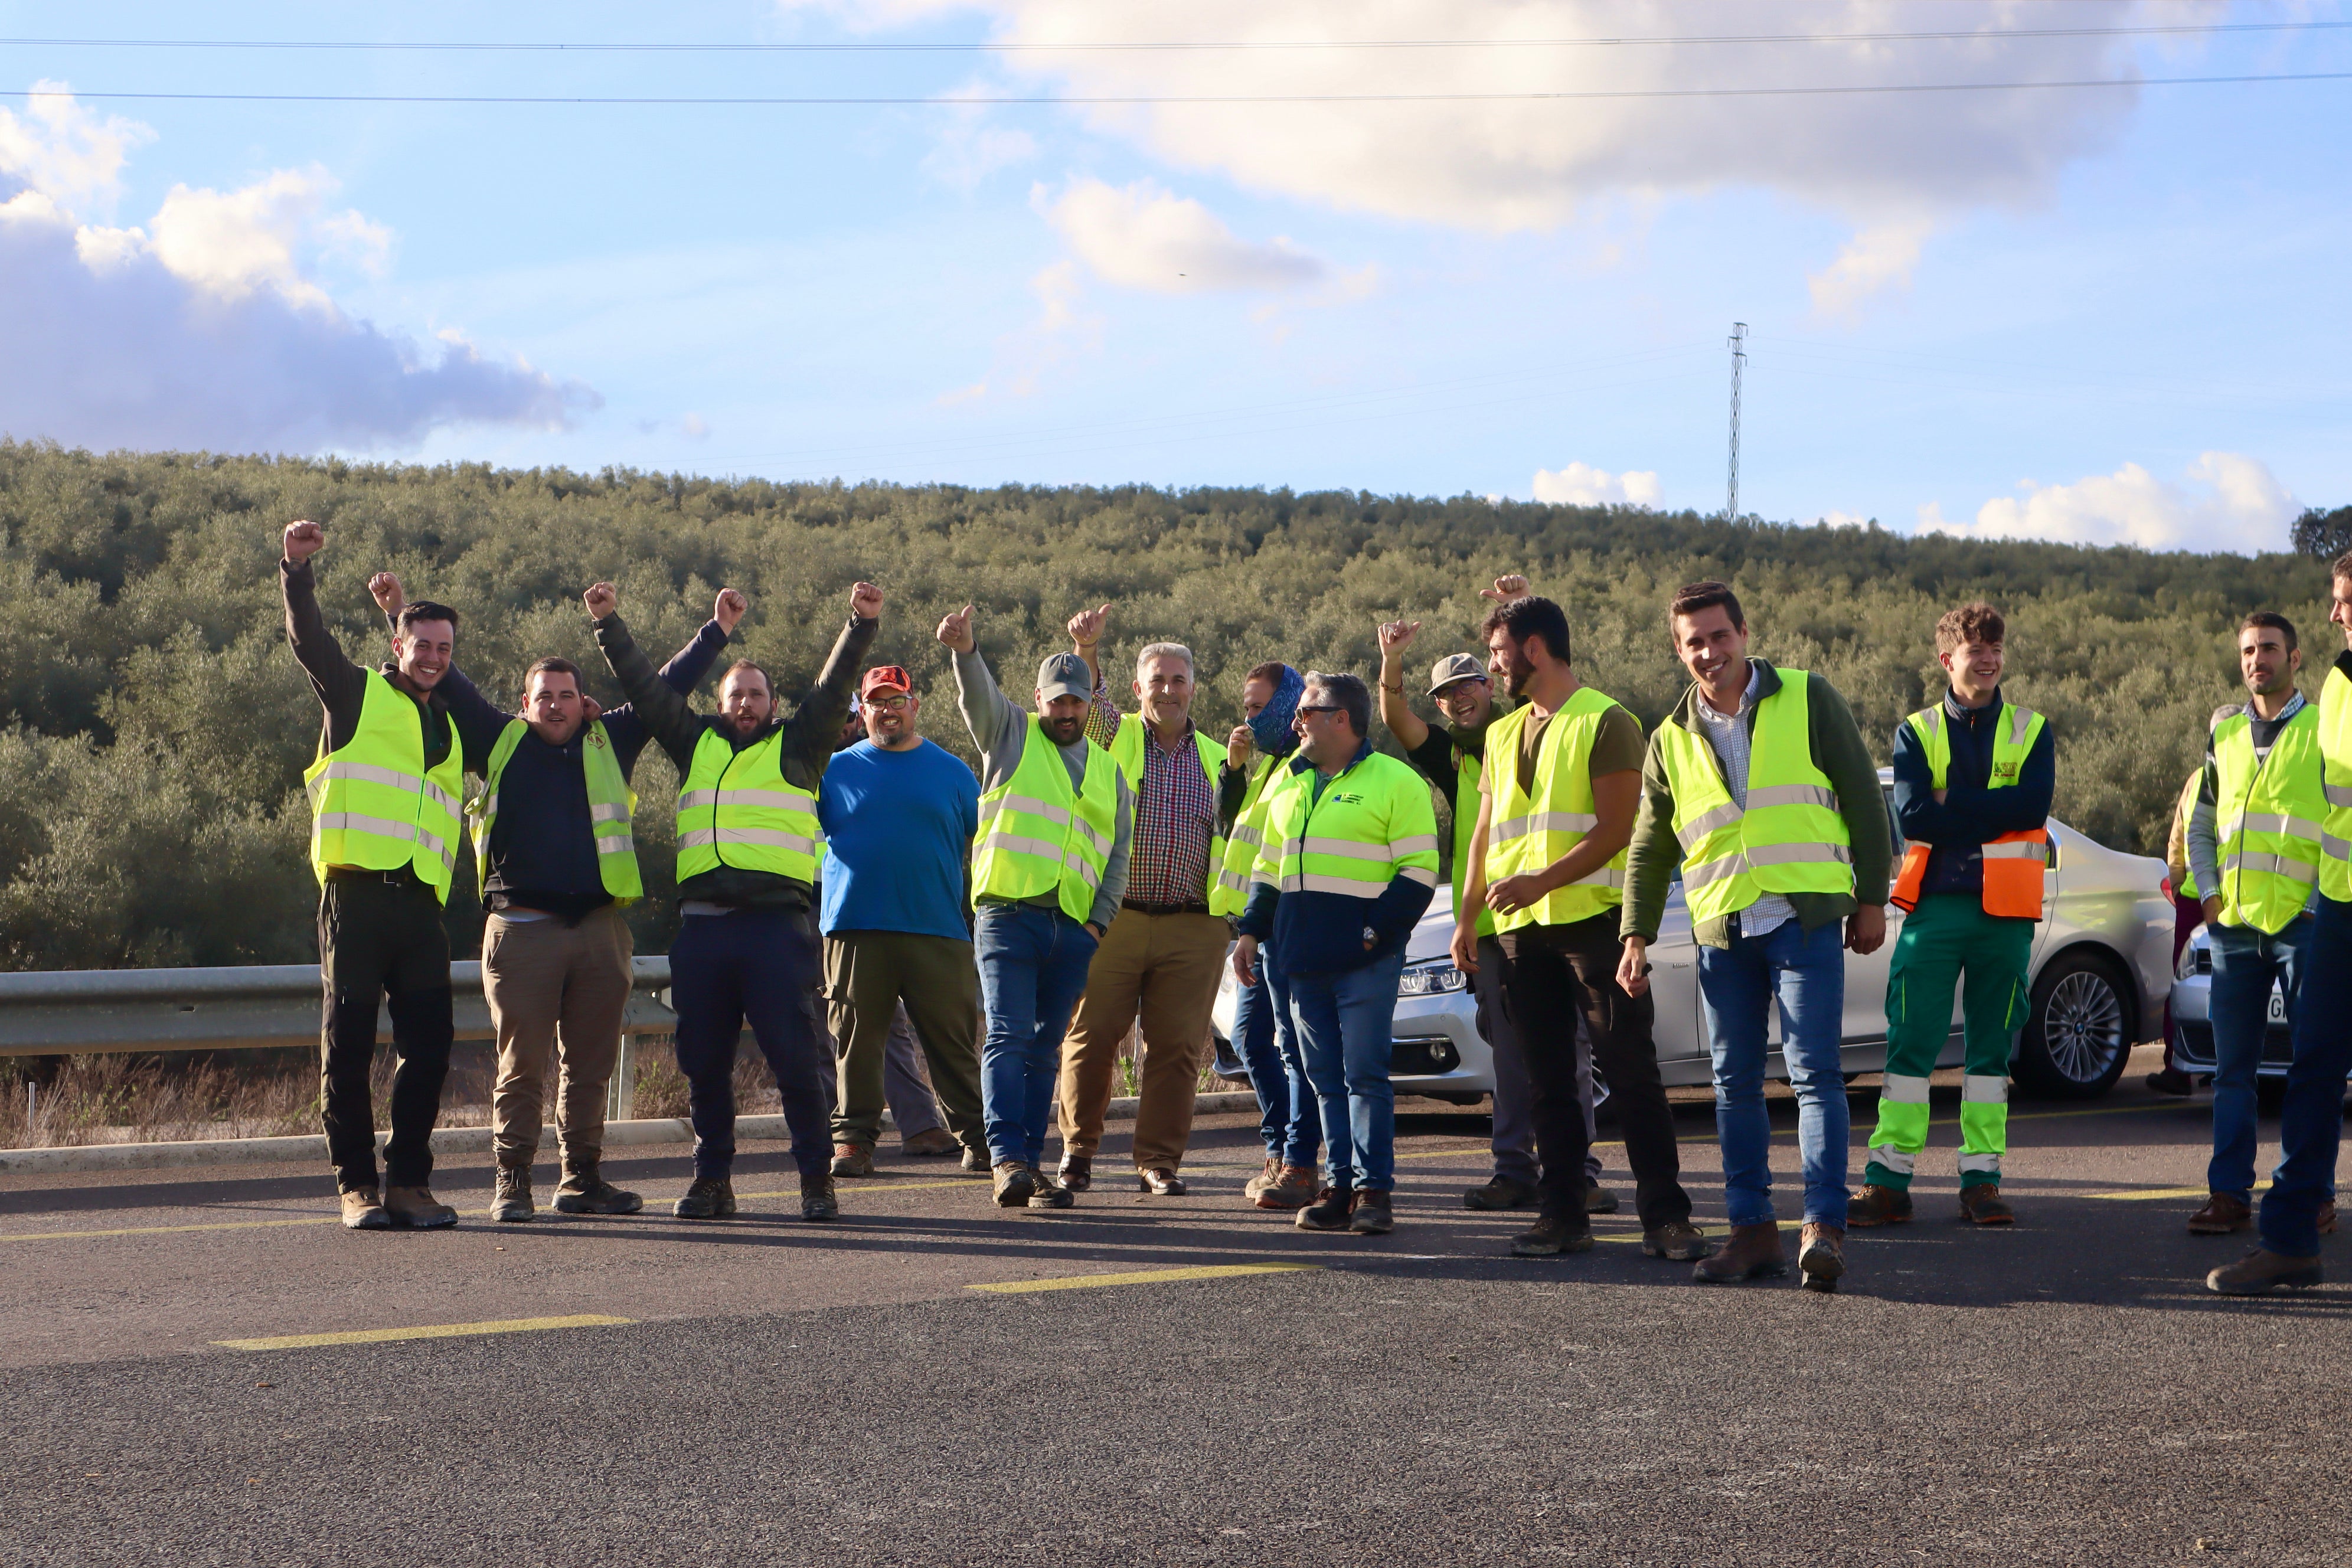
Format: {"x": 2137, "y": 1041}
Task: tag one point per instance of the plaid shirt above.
{"x": 1175, "y": 811}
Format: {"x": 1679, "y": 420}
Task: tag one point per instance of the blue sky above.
{"x": 2107, "y": 315}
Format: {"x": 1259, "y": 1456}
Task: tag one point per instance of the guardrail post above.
{"x": 621, "y": 1099}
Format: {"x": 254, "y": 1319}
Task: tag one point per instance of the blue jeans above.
{"x": 1288, "y": 1123}
{"x": 759, "y": 967}
{"x": 2246, "y": 960}
{"x": 2311, "y": 1122}
{"x": 1033, "y": 969}
{"x": 1805, "y": 972}
{"x": 1345, "y": 1020}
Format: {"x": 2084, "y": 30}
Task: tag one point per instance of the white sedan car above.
{"x": 2100, "y": 970}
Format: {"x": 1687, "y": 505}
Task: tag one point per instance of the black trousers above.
{"x": 1550, "y": 975}
{"x": 383, "y": 943}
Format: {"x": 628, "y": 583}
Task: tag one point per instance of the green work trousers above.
{"x": 1950, "y": 941}
{"x": 867, "y": 975}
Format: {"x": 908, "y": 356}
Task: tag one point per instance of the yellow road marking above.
{"x": 167, "y": 1229}
{"x": 2161, "y": 1192}
{"x": 430, "y": 1332}
{"x": 1146, "y": 1277}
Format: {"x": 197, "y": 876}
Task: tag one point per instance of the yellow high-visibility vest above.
{"x": 375, "y": 805}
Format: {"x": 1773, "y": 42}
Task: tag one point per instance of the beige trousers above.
{"x": 1164, "y": 970}
{"x": 560, "y": 991}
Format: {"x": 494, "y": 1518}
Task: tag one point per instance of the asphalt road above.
{"x": 768, "y": 1391}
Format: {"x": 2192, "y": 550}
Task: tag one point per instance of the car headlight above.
{"x": 1430, "y": 979}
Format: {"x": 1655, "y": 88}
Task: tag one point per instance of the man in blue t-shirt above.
{"x": 898, "y": 815}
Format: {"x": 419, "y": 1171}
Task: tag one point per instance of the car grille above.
{"x": 2193, "y": 1044}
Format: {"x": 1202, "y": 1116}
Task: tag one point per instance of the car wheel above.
{"x": 2079, "y": 1032}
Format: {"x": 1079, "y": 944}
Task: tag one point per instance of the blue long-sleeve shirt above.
{"x": 1972, "y": 813}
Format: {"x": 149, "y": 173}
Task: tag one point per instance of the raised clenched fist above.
{"x": 956, "y": 631}
{"x": 303, "y": 540}
{"x": 727, "y": 609}
{"x": 865, "y": 602}
{"x": 1397, "y": 635}
{"x": 603, "y": 599}
{"x": 1085, "y": 627}
{"x": 389, "y": 595}
{"x": 1506, "y": 588}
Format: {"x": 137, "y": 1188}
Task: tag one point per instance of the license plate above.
{"x": 2278, "y": 1006}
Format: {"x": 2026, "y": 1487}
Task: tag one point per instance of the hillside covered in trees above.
{"x": 150, "y": 810}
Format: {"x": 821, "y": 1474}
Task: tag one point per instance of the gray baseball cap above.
{"x": 1453, "y": 667}
{"x": 1065, "y": 675}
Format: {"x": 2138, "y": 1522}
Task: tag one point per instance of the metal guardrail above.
{"x": 81, "y": 1012}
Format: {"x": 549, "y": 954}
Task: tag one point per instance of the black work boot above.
{"x": 711, "y": 1197}
{"x": 585, "y": 1189}
{"x": 818, "y": 1199}
{"x": 1372, "y": 1214}
{"x": 1331, "y": 1210}
{"x": 1500, "y": 1192}
{"x": 510, "y": 1201}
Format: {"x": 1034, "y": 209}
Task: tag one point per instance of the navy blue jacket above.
{"x": 1317, "y": 933}
{"x": 1971, "y": 814}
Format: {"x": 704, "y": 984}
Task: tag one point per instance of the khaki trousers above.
{"x": 560, "y": 991}
{"x": 1162, "y": 969}
{"x": 867, "y": 975}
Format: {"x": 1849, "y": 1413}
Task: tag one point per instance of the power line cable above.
{"x": 1109, "y": 100}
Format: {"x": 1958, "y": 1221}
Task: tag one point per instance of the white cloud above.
{"x": 207, "y": 327}
{"x": 971, "y": 148}
{"x": 1141, "y": 236}
{"x": 2225, "y": 502}
{"x": 1504, "y": 165}
{"x": 1876, "y": 258}
{"x": 1578, "y": 485}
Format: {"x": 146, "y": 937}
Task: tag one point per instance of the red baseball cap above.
{"x": 884, "y": 677}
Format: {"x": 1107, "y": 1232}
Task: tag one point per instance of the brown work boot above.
{"x": 1077, "y": 1173}
{"x": 1821, "y": 1257}
{"x": 362, "y": 1211}
{"x": 1678, "y": 1241}
{"x": 1877, "y": 1206}
{"x": 510, "y": 1200}
{"x": 1500, "y": 1192}
{"x": 415, "y": 1208}
{"x": 1753, "y": 1252}
{"x": 1045, "y": 1193}
{"x": 1294, "y": 1189}
{"x": 1014, "y": 1184}
{"x": 585, "y": 1189}
{"x": 852, "y": 1158}
{"x": 2261, "y": 1271}
{"x": 818, "y": 1199}
{"x": 1981, "y": 1204}
{"x": 1551, "y": 1236}
{"x": 931, "y": 1142}
{"x": 1264, "y": 1179}
{"x": 2223, "y": 1213}
{"x": 1331, "y": 1210}
{"x": 1599, "y": 1199}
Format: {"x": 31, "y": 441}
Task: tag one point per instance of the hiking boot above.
{"x": 585, "y": 1190}
{"x": 976, "y": 1160}
{"x": 1550, "y": 1235}
{"x": 1753, "y": 1252}
{"x": 362, "y": 1211}
{"x": 1014, "y": 1182}
{"x": 2171, "y": 1080}
{"x": 2261, "y": 1271}
{"x": 1160, "y": 1182}
{"x": 2222, "y": 1213}
{"x": 930, "y": 1144}
{"x": 1677, "y": 1241}
{"x": 853, "y": 1159}
{"x": 1501, "y": 1193}
{"x": 1981, "y": 1204}
{"x": 1877, "y": 1206}
{"x": 1821, "y": 1257}
{"x": 1045, "y": 1193}
{"x": 818, "y": 1199}
{"x": 1371, "y": 1215}
{"x": 1264, "y": 1179}
{"x": 512, "y": 1199}
{"x": 415, "y": 1208}
{"x": 1294, "y": 1189}
{"x": 1331, "y": 1210}
{"x": 1599, "y": 1199}
{"x": 711, "y": 1197}
{"x": 1077, "y": 1172}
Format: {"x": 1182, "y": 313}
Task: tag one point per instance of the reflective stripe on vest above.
{"x": 2335, "y": 753}
{"x": 1126, "y": 751}
{"x": 1371, "y": 824}
{"x": 736, "y": 808}
{"x": 1790, "y": 837}
{"x": 1529, "y": 832}
{"x": 2268, "y": 819}
{"x": 610, "y": 802}
{"x": 373, "y": 805}
{"x": 1038, "y": 836}
{"x": 2014, "y": 862}
{"x": 1240, "y": 858}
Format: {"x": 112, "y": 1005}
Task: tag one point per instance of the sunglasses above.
{"x": 1303, "y": 712}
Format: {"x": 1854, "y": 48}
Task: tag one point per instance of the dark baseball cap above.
{"x": 1452, "y": 667}
{"x": 1065, "y": 675}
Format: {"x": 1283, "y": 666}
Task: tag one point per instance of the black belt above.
{"x": 405, "y": 876}
{"x": 1143, "y": 909}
